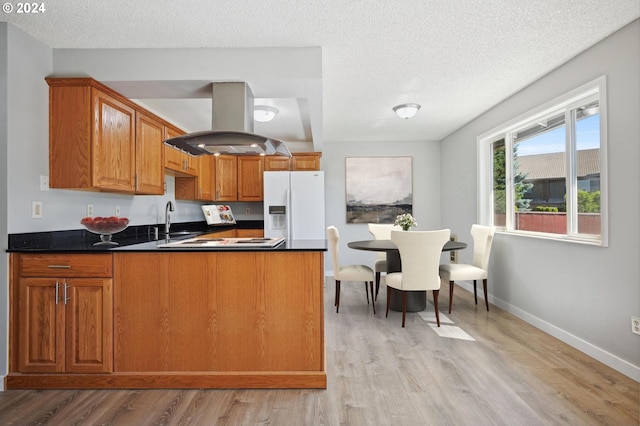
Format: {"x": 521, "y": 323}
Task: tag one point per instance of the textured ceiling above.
{"x": 455, "y": 58}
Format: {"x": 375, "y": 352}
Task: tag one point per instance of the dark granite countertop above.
{"x": 139, "y": 238}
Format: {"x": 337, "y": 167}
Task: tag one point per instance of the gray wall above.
{"x": 582, "y": 294}
{"x": 426, "y": 189}
{"x": 24, "y": 63}
{"x": 4, "y": 160}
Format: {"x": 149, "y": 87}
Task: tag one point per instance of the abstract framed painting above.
{"x": 378, "y": 188}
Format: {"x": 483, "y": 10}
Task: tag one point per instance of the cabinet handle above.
{"x": 60, "y": 266}
{"x": 66, "y": 286}
{"x": 57, "y": 292}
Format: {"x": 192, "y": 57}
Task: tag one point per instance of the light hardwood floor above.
{"x": 382, "y": 374}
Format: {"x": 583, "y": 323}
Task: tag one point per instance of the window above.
{"x": 543, "y": 174}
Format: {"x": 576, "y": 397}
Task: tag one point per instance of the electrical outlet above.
{"x": 90, "y": 210}
{"x": 117, "y": 210}
{"x": 247, "y": 210}
{"x": 36, "y": 209}
{"x": 44, "y": 183}
{"x": 635, "y": 325}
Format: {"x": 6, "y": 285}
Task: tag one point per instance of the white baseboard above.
{"x": 611, "y": 360}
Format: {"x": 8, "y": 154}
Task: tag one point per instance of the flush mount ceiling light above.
{"x": 264, "y": 113}
{"x": 406, "y": 110}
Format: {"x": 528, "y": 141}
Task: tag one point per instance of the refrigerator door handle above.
{"x": 289, "y": 213}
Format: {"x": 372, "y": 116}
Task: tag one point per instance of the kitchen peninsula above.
{"x": 140, "y": 316}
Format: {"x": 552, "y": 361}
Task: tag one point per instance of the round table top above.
{"x": 388, "y": 245}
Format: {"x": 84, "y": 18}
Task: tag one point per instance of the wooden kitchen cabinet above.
{"x": 305, "y": 161}
{"x": 200, "y": 187}
{"x": 226, "y": 177}
{"x": 91, "y": 137}
{"x": 176, "y": 162}
{"x": 64, "y": 313}
{"x": 299, "y": 161}
{"x": 250, "y": 178}
{"x": 276, "y": 163}
{"x": 211, "y": 313}
{"x": 149, "y": 177}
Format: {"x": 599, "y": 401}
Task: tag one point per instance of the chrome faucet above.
{"x": 167, "y": 217}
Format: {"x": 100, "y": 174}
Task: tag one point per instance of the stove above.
{"x": 224, "y": 243}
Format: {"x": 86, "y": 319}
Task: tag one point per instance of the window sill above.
{"x": 597, "y": 242}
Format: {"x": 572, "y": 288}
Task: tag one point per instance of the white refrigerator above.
{"x": 294, "y": 205}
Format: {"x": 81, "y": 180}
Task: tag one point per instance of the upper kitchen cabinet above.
{"x": 149, "y": 155}
{"x": 299, "y": 161}
{"x": 200, "y": 187}
{"x": 238, "y": 178}
{"x": 276, "y": 163}
{"x": 250, "y": 178}
{"x": 305, "y": 161}
{"x": 93, "y": 133}
{"x": 176, "y": 162}
{"x": 226, "y": 178}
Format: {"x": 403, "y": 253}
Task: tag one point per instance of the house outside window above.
{"x": 543, "y": 174}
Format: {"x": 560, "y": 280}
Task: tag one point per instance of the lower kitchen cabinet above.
{"x": 219, "y": 312}
{"x": 152, "y": 320}
{"x": 64, "y": 313}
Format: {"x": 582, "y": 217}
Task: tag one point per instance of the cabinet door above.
{"x": 276, "y": 163}
{"x": 149, "y": 155}
{"x": 89, "y": 325}
{"x": 226, "y": 178}
{"x": 206, "y": 172}
{"x": 113, "y": 144}
{"x": 174, "y": 159}
{"x": 308, "y": 161}
{"x": 41, "y": 330}
{"x": 250, "y": 181}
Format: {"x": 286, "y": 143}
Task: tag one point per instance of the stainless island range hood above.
{"x": 232, "y": 127}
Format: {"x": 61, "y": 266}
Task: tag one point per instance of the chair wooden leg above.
{"x": 450, "y": 295}
{"x": 486, "y": 301}
{"x": 388, "y": 299}
{"x": 377, "y": 284}
{"x": 475, "y": 293}
{"x": 435, "y": 305}
{"x": 404, "y": 306}
{"x": 367, "y": 290}
{"x": 373, "y": 301}
{"x": 337, "y": 295}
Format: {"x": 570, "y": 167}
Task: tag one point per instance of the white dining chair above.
{"x": 420, "y": 253}
{"x": 478, "y": 269}
{"x": 381, "y": 231}
{"x": 348, "y": 272}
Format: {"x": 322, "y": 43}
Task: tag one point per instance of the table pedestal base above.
{"x": 416, "y": 301}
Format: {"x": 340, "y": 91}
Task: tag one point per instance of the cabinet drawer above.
{"x": 66, "y": 265}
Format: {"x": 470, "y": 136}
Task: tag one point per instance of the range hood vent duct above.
{"x": 232, "y": 127}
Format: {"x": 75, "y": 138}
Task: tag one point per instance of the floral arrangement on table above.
{"x": 405, "y": 221}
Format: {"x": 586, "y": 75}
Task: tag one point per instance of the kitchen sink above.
{"x": 178, "y": 235}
